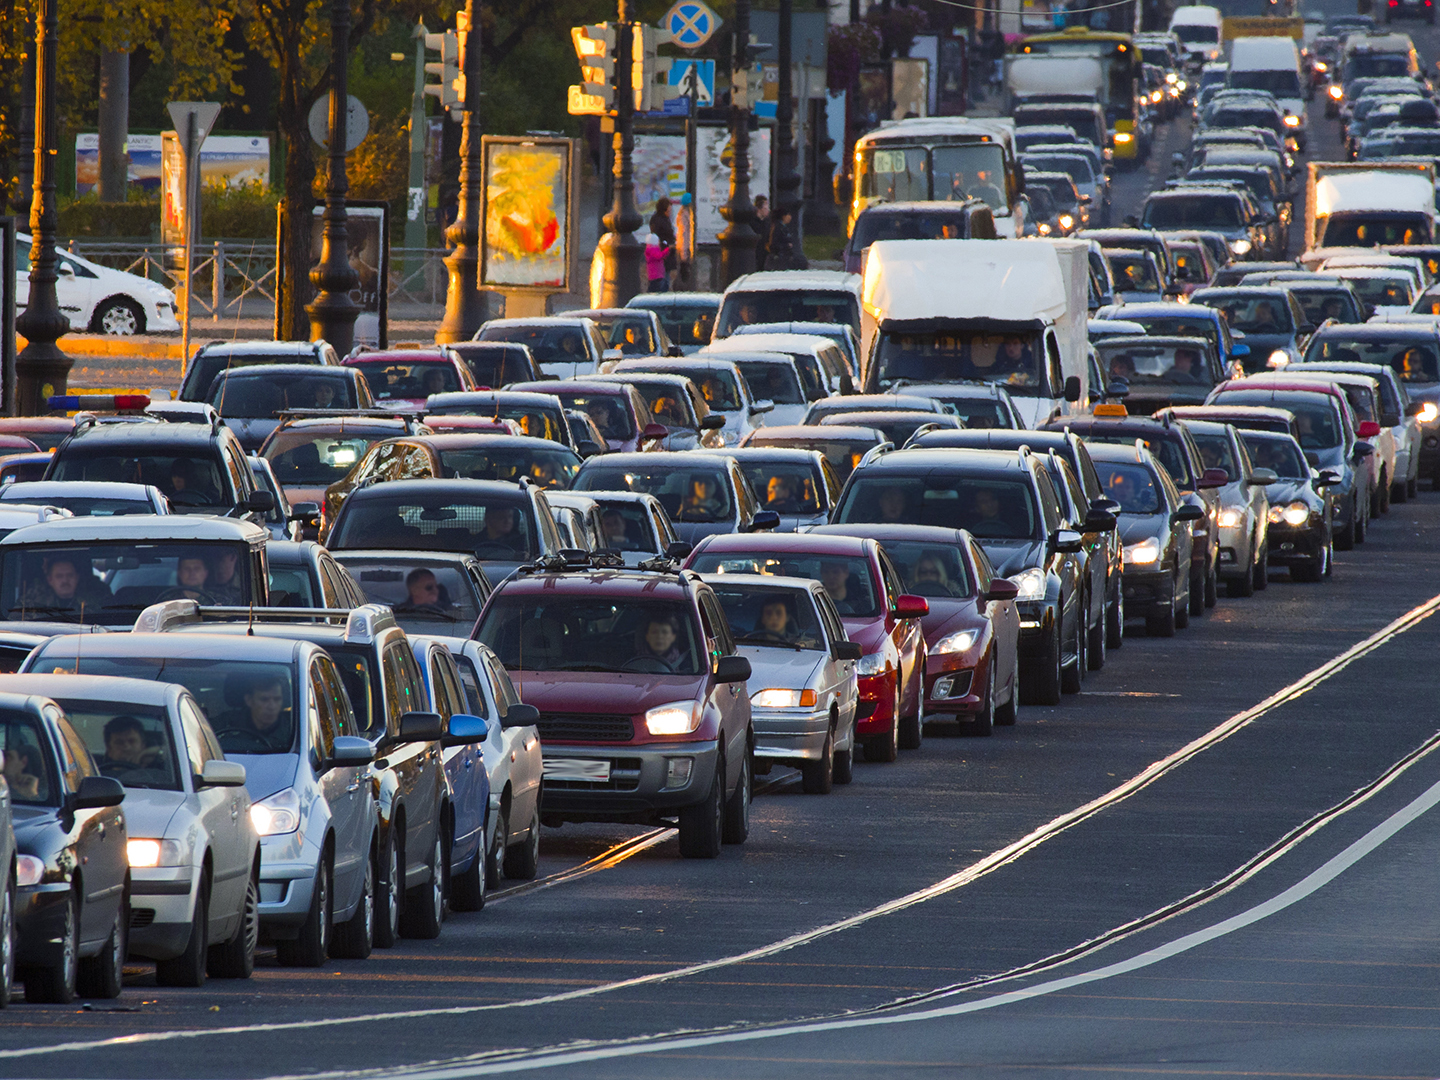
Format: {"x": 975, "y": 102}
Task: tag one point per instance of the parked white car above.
{"x": 99, "y": 300}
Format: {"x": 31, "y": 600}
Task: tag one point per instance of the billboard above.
{"x": 527, "y": 224}
{"x": 659, "y": 165}
{"x": 143, "y": 169}
{"x": 230, "y": 160}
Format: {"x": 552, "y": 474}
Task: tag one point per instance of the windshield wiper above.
{"x": 582, "y": 667}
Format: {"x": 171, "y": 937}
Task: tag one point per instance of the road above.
{"x": 1218, "y": 859}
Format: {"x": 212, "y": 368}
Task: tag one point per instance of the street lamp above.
{"x": 738, "y": 238}
{"x": 622, "y": 257}
{"x": 464, "y": 311}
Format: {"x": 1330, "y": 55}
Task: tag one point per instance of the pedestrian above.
{"x": 662, "y": 227}
{"x": 780, "y": 253}
{"x": 685, "y": 240}
{"x": 655, "y": 263}
{"x": 762, "y": 227}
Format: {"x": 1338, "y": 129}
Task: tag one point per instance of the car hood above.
{"x": 692, "y": 532}
{"x": 1012, "y": 556}
{"x": 1136, "y": 527}
{"x": 1150, "y": 397}
{"x": 1287, "y": 491}
{"x": 149, "y": 812}
{"x": 265, "y": 774}
{"x": 781, "y": 668}
{"x": 784, "y": 415}
{"x": 948, "y": 616}
{"x": 252, "y": 432}
{"x": 866, "y": 631}
{"x": 624, "y": 692}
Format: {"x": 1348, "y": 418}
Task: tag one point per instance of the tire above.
{"x": 886, "y": 747}
{"x": 312, "y": 945}
{"x": 1242, "y": 586}
{"x": 100, "y": 976}
{"x": 188, "y": 969}
{"x": 737, "y": 808}
{"x": 1212, "y": 587}
{"x": 818, "y": 777}
{"x": 494, "y": 861}
{"x": 522, "y": 861}
{"x": 1197, "y": 593}
{"x": 1115, "y": 619}
{"x": 702, "y": 825}
{"x": 120, "y": 317}
{"x": 7, "y": 937}
{"x": 469, "y": 890}
{"x": 1261, "y": 573}
{"x": 983, "y": 722}
{"x": 1345, "y": 539}
{"x": 235, "y": 959}
{"x": 1073, "y": 677}
{"x": 55, "y": 984}
{"x": 844, "y": 770}
{"x": 1164, "y": 625}
{"x": 1399, "y": 492}
{"x": 1007, "y": 714}
{"x": 387, "y": 896}
{"x": 425, "y": 904}
{"x": 1362, "y": 522}
{"x": 912, "y": 728}
{"x": 1412, "y": 487}
{"x": 354, "y": 939}
{"x": 1095, "y": 645}
{"x": 1041, "y": 684}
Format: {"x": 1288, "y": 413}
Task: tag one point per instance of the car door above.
{"x": 730, "y": 698}
{"x": 520, "y": 745}
{"x": 1064, "y": 565}
{"x": 1255, "y": 499}
{"x": 98, "y": 835}
{"x": 417, "y": 765}
{"x": 1094, "y": 555}
{"x": 219, "y": 810}
{"x": 1004, "y": 616}
{"x": 905, "y": 633}
{"x": 839, "y": 681}
{"x": 464, "y": 764}
{"x": 346, "y": 788}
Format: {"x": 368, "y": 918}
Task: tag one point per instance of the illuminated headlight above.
{"x": 1031, "y": 584}
{"x": 1043, "y": 229}
{"x": 1144, "y": 553}
{"x": 871, "y": 664}
{"x": 1292, "y": 121}
{"x": 783, "y": 699}
{"x": 28, "y": 870}
{"x": 1429, "y": 413}
{"x": 1277, "y": 359}
{"x": 277, "y": 815}
{"x": 1155, "y": 97}
{"x": 1297, "y": 513}
{"x": 1229, "y": 519}
{"x": 1182, "y": 86}
{"x": 1321, "y": 66}
{"x": 675, "y": 718}
{"x": 1171, "y": 77}
{"x": 961, "y": 641}
{"x": 1239, "y": 247}
{"x": 145, "y": 853}
{"x": 1066, "y": 221}
{"x": 1337, "y": 92}
{"x": 1123, "y": 137}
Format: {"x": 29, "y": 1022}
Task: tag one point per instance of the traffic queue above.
{"x": 310, "y": 655}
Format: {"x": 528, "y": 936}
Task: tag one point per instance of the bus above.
{"x": 1120, "y": 84}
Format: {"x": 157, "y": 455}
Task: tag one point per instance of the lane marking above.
{"x": 974, "y": 872}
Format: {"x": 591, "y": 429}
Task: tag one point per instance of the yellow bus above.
{"x": 1120, "y": 81}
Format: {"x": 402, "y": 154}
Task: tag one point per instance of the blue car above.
{"x": 1167, "y": 318}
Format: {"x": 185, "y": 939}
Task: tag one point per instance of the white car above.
{"x": 99, "y": 300}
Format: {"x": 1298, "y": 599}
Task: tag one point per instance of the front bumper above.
{"x": 1291, "y": 545}
{"x": 876, "y": 712}
{"x": 790, "y": 734}
{"x": 162, "y": 905}
{"x": 1234, "y": 554}
{"x": 288, "y": 865}
{"x": 954, "y": 683}
{"x": 1037, "y": 627}
{"x": 40, "y": 923}
{"x": 644, "y": 784}
{"x": 1149, "y": 592}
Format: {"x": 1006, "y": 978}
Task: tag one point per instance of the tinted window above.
{"x": 786, "y": 488}
{"x": 991, "y": 508}
{"x": 1134, "y": 487}
{"x": 699, "y": 493}
{"x": 390, "y": 381}
{"x": 548, "y": 344}
{"x": 190, "y": 479}
{"x": 310, "y": 458}
{"x": 28, "y": 768}
{"x": 575, "y": 633}
{"x": 546, "y": 467}
{"x": 848, "y": 578}
{"x": 1217, "y": 453}
{"x": 787, "y": 305}
{"x": 262, "y": 396}
{"x": 494, "y": 529}
{"x": 1193, "y": 212}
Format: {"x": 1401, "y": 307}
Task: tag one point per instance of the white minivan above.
{"x": 1198, "y": 28}
{"x": 1271, "y": 64}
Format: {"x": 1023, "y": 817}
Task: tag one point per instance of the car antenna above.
{"x": 250, "y": 626}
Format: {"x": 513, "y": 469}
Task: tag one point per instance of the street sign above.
{"x": 705, "y": 69}
{"x": 193, "y": 121}
{"x": 691, "y": 23}
{"x": 357, "y": 122}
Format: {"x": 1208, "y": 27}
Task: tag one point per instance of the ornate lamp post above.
{"x": 42, "y": 369}
{"x": 333, "y": 311}
{"x": 464, "y": 311}
{"x": 622, "y": 256}
{"x": 738, "y": 238}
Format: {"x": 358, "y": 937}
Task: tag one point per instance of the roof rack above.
{"x": 361, "y": 623}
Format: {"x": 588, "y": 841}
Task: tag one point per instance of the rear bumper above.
{"x": 646, "y": 782}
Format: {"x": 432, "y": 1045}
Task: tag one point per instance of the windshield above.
{"x": 1061, "y": 191}
{"x": 787, "y": 488}
{"x": 1193, "y": 212}
{"x": 82, "y": 507}
{"x": 1078, "y": 167}
{"x": 1191, "y": 33}
{"x": 1238, "y": 118}
{"x": 1413, "y": 361}
{"x": 111, "y": 583}
{"x": 391, "y": 381}
{"x": 787, "y": 305}
{"x": 669, "y": 404}
{"x": 130, "y": 743}
{"x": 1253, "y": 314}
{"x": 1321, "y": 304}
{"x": 929, "y": 570}
{"x": 882, "y": 224}
{"x": 28, "y": 768}
{"x": 719, "y": 387}
{"x": 976, "y": 171}
{"x": 309, "y": 458}
{"x": 191, "y": 481}
{"x": 687, "y": 324}
{"x": 494, "y": 365}
{"x": 687, "y": 494}
{"x": 1379, "y": 290}
{"x": 1133, "y": 272}
{"x": 1179, "y": 326}
{"x": 548, "y": 344}
{"x": 548, "y": 468}
{"x": 571, "y": 632}
{"x": 842, "y": 454}
{"x": 607, "y": 410}
{"x": 1283, "y": 83}
{"x": 957, "y": 355}
{"x": 626, "y": 525}
{"x": 1142, "y": 365}
{"x": 1083, "y": 121}
{"x": 991, "y": 508}
{"x": 769, "y": 381}
{"x": 428, "y": 596}
{"x": 1281, "y": 455}
{"x": 1134, "y": 487}
{"x": 242, "y": 396}
{"x": 497, "y": 528}
{"x": 847, "y": 578}
{"x": 206, "y": 366}
{"x": 1373, "y": 65}
{"x": 1318, "y": 424}
{"x": 1370, "y": 229}
{"x": 631, "y": 334}
{"x": 760, "y": 615}
{"x": 1217, "y": 453}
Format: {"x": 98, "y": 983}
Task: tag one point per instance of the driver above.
{"x": 323, "y": 394}
{"x": 703, "y": 500}
{"x": 599, "y": 412}
{"x": 1265, "y": 321}
{"x": 186, "y": 476}
{"x": 1122, "y": 367}
{"x": 775, "y": 619}
{"x": 893, "y": 505}
{"x": 262, "y": 717}
{"x": 931, "y": 577}
{"x": 988, "y": 521}
{"x": 422, "y": 592}
{"x": 434, "y": 382}
{"x": 1332, "y": 308}
{"x": 191, "y": 573}
{"x": 616, "y": 538}
{"x": 500, "y": 522}
{"x": 65, "y": 587}
{"x": 1186, "y": 367}
{"x": 125, "y": 751}
{"x": 780, "y": 495}
{"x": 835, "y": 576}
{"x": 1124, "y": 490}
{"x": 224, "y": 581}
{"x": 659, "y": 641}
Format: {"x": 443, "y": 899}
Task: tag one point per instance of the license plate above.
{"x": 577, "y": 769}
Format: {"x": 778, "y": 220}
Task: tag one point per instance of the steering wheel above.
{"x": 770, "y": 635}
{"x": 189, "y": 498}
{"x": 649, "y": 665}
{"x": 249, "y": 741}
{"x": 495, "y": 550}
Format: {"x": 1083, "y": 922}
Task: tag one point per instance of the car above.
{"x": 773, "y": 377}
{"x": 1160, "y": 370}
{"x": 675, "y": 402}
{"x": 1269, "y": 201}
{"x": 315, "y": 818}
{"x": 865, "y": 588}
{"x": 1302, "y": 507}
{"x": 799, "y": 485}
{"x": 579, "y": 519}
{"x": 1380, "y": 288}
{"x": 1245, "y": 417}
{"x": 843, "y": 447}
{"x": 814, "y": 354}
{"x": 502, "y": 525}
{"x": 644, "y": 714}
{"x": 1006, "y": 500}
{"x": 962, "y": 219}
{"x": 628, "y": 331}
{"x": 1236, "y": 272}
{"x": 1363, "y": 395}
{"x": 406, "y": 378}
{"x": 1397, "y": 412}
{"x": 1323, "y": 299}
{"x": 23, "y": 468}
{"x": 721, "y": 384}
{"x": 1155, "y": 526}
{"x": 563, "y": 346}
{"x": 487, "y": 425}
{"x": 618, "y": 409}
{"x": 898, "y": 427}
{"x": 308, "y": 455}
{"x": 216, "y": 356}
{"x": 107, "y": 571}
{"x": 1244, "y": 509}
{"x": 254, "y": 400}
{"x": 1136, "y": 274}
{"x": 1216, "y": 208}
{"x": 494, "y": 364}
{"x": 634, "y": 525}
{"x": 972, "y": 633}
{"x": 789, "y": 296}
{"x": 978, "y": 405}
{"x": 428, "y": 592}
{"x": 193, "y": 852}
{"x": 877, "y": 403}
{"x": 1136, "y": 239}
{"x": 804, "y": 697}
{"x": 1072, "y": 160}
{"x": 1194, "y": 265}
{"x": 19, "y": 515}
{"x": 11, "y": 445}
{"x": 45, "y": 432}
{"x": 702, "y": 493}
{"x": 282, "y": 522}
{"x": 89, "y": 498}
{"x": 540, "y": 415}
{"x": 1192, "y": 319}
{"x": 688, "y": 317}
{"x": 840, "y": 334}
{"x": 98, "y": 299}
{"x": 303, "y": 574}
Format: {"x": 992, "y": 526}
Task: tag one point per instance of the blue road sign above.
{"x": 705, "y": 71}
{"x": 691, "y": 23}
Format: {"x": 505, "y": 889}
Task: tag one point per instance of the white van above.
{"x": 1198, "y": 28}
{"x": 1271, "y": 64}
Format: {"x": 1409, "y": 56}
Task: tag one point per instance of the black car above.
{"x": 1272, "y": 320}
{"x": 702, "y": 493}
{"x": 1302, "y": 507}
{"x": 1323, "y": 299}
{"x": 1160, "y": 371}
{"x": 1008, "y": 503}
{"x": 541, "y": 416}
{"x": 1154, "y": 525}
{"x": 217, "y": 356}
{"x": 72, "y": 871}
{"x": 251, "y": 400}
{"x": 497, "y": 363}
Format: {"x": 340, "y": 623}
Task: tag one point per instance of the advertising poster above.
{"x": 659, "y": 164}
{"x": 144, "y": 166}
{"x": 230, "y": 160}
{"x": 712, "y": 176}
{"x": 526, "y": 208}
{"x": 369, "y": 257}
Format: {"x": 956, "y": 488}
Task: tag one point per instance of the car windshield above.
{"x": 495, "y": 365}
{"x": 411, "y": 380}
{"x": 718, "y": 386}
{"x": 549, "y": 468}
{"x": 687, "y": 324}
{"x": 1413, "y": 361}
{"x": 929, "y": 570}
{"x": 992, "y": 508}
{"x": 885, "y": 224}
{"x": 762, "y": 615}
{"x": 1077, "y": 166}
{"x": 1169, "y": 452}
{"x": 1253, "y": 314}
{"x": 1282, "y": 82}
{"x": 1382, "y": 290}
{"x": 567, "y": 631}
{"x": 607, "y": 410}
{"x": 207, "y": 365}
{"x": 1318, "y": 424}
{"x": 28, "y": 768}
{"x": 1062, "y": 192}
{"x": 131, "y": 743}
{"x": 787, "y": 305}
{"x": 245, "y": 396}
{"x": 768, "y": 380}
{"x": 1193, "y": 212}
{"x": 847, "y": 578}
{"x": 1194, "y": 34}
{"x": 193, "y": 481}
{"x": 1376, "y": 65}
{"x": 1369, "y": 230}
{"x": 1236, "y": 118}
{"x": 498, "y": 528}
{"x": 1081, "y": 120}
{"x": 1217, "y": 453}
{"x": 786, "y": 488}
{"x": 111, "y": 583}
{"x": 549, "y": 344}
{"x": 1281, "y": 455}
{"x": 627, "y": 526}
{"x": 1133, "y": 272}
{"x": 696, "y": 493}
{"x": 428, "y": 596}
{"x": 669, "y": 404}
{"x": 1179, "y": 326}
{"x": 1322, "y": 304}
{"x": 631, "y": 334}
{"x": 959, "y": 355}
{"x": 1175, "y": 365}
{"x": 842, "y": 454}
{"x": 310, "y": 458}
{"x": 1134, "y": 487}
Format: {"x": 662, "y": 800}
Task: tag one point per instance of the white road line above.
{"x": 974, "y": 872}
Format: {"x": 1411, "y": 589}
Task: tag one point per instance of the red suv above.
{"x": 644, "y": 712}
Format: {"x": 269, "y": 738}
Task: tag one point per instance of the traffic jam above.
{"x": 314, "y": 656}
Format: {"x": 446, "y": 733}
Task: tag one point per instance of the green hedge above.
{"x": 237, "y": 212}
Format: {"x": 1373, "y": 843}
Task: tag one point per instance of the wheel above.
{"x": 1073, "y": 677}
{"x": 1212, "y": 586}
{"x": 522, "y": 860}
{"x": 468, "y": 890}
{"x": 1399, "y": 491}
{"x": 1164, "y": 625}
{"x": 845, "y": 765}
{"x": 983, "y": 722}
{"x": 912, "y": 728}
{"x": 188, "y": 969}
{"x": 425, "y": 904}
{"x": 1095, "y": 646}
{"x": 886, "y": 747}
{"x": 99, "y": 976}
{"x": 311, "y": 946}
{"x": 818, "y": 777}
{"x": 1244, "y": 585}
{"x": 1412, "y": 487}
{"x": 494, "y": 860}
{"x": 702, "y": 825}
{"x": 354, "y": 939}
{"x": 737, "y": 809}
{"x": 1041, "y": 681}
{"x": 235, "y": 959}
{"x": 1362, "y": 521}
{"x": 1007, "y": 714}
{"x": 1197, "y": 593}
{"x": 119, "y": 316}
{"x": 1380, "y": 497}
{"x": 7, "y": 937}
{"x": 387, "y": 897}
{"x": 1115, "y": 619}
{"x": 1344, "y": 540}
{"x": 1262, "y": 569}
{"x": 56, "y": 984}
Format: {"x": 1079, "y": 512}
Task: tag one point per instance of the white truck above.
{"x": 1365, "y": 204}
{"x": 1012, "y": 312}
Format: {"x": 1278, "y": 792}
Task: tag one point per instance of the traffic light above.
{"x": 650, "y": 72}
{"x": 595, "y": 46}
{"x": 449, "y": 87}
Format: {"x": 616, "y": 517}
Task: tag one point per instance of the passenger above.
{"x": 67, "y": 587}
{"x": 262, "y": 718}
{"x": 126, "y": 754}
{"x": 1186, "y": 368}
{"x": 435, "y": 381}
{"x": 780, "y": 495}
{"x": 543, "y": 473}
{"x": 224, "y": 581}
{"x": 1265, "y": 321}
{"x": 191, "y": 573}
{"x": 825, "y": 313}
{"x": 659, "y": 641}
{"x": 988, "y": 522}
{"x": 188, "y": 486}
{"x": 667, "y": 411}
{"x": 323, "y": 394}
{"x": 775, "y": 620}
{"x": 984, "y": 188}
{"x": 600, "y": 413}
{"x": 835, "y": 576}
{"x": 616, "y": 536}
{"x": 894, "y": 506}
{"x": 1122, "y": 367}
{"x": 500, "y": 527}
{"x": 749, "y": 313}
{"x": 24, "y": 782}
{"x": 423, "y": 593}
{"x": 1332, "y": 308}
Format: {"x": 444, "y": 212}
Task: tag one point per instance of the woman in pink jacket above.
{"x": 655, "y": 263}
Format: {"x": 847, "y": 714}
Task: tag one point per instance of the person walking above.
{"x": 762, "y": 226}
{"x": 662, "y": 227}
{"x": 655, "y": 253}
{"x": 780, "y": 253}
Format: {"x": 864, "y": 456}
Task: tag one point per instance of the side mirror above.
{"x": 1368, "y": 429}
{"x": 1391, "y": 419}
{"x": 764, "y": 405}
{"x": 678, "y": 549}
{"x": 1265, "y": 476}
{"x": 1099, "y": 521}
{"x": 1327, "y": 478}
{"x": 520, "y": 715}
{"x": 421, "y": 727}
{"x": 1363, "y": 450}
{"x": 217, "y": 773}
{"x": 260, "y": 502}
{"x": 765, "y": 520}
{"x": 911, "y": 607}
{"x": 846, "y": 650}
{"x": 351, "y": 751}
{"x": 1415, "y": 408}
{"x": 1072, "y": 388}
{"x": 732, "y": 669}
{"x": 97, "y": 792}
{"x": 1189, "y": 512}
{"x": 305, "y": 512}
{"x": 713, "y": 422}
{"x": 653, "y": 432}
{"x": 1085, "y": 200}
{"x": 675, "y": 350}
{"x": 465, "y": 728}
{"x": 1001, "y": 589}
{"x": 1104, "y": 502}
{"x": 587, "y": 448}
{"x": 1238, "y": 350}
{"x": 1212, "y": 478}
{"x": 1068, "y": 541}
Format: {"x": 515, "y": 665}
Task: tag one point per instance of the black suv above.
{"x": 218, "y": 356}
{"x": 1011, "y": 507}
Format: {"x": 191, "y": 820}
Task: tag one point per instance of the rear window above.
{"x": 391, "y": 381}
{"x": 494, "y": 366}
{"x": 848, "y": 578}
{"x": 491, "y": 529}
{"x": 882, "y": 224}
{"x": 256, "y": 397}
{"x": 687, "y": 324}
{"x": 1193, "y": 212}
{"x": 992, "y": 508}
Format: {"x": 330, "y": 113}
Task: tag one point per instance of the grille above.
{"x": 585, "y": 727}
{"x": 141, "y": 916}
{"x": 624, "y": 776}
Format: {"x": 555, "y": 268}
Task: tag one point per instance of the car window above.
{"x": 850, "y": 579}
{"x": 1132, "y": 485}
{"x": 1049, "y": 501}
{"x": 928, "y": 569}
{"x": 990, "y": 507}
{"x": 1217, "y": 453}
{"x": 323, "y": 726}
{"x": 76, "y": 763}
{"x": 698, "y": 493}
{"x": 341, "y": 712}
{"x": 834, "y": 628}
{"x": 758, "y": 615}
{"x": 128, "y": 742}
{"x": 573, "y": 632}
{"x": 500, "y": 684}
{"x": 194, "y": 729}
{"x": 497, "y": 527}
{"x": 447, "y": 684}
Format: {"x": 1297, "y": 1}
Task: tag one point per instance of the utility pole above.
{"x": 622, "y": 255}
{"x": 738, "y": 238}
{"x": 787, "y": 179}
{"x": 464, "y": 311}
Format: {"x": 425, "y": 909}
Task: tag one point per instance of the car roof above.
{"x": 1163, "y": 307}
{"x": 1142, "y": 426}
{"x": 762, "y": 581}
{"x": 479, "y": 398}
{"x": 816, "y": 280}
{"x": 905, "y": 402}
{"x": 681, "y": 364}
{"x": 260, "y": 348}
{"x": 886, "y": 416}
{"x": 397, "y": 356}
{"x": 779, "y": 341}
{"x": 1390, "y": 331}
{"x": 1259, "y": 412}
{"x": 83, "y": 489}
{"x": 540, "y": 320}
{"x": 141, "y": 434}
{"x": 1125, "y": 453}
{"x": 946, "y": 460}
{"x": 1008, "y": 439}
{"x": 195, "y": 644}
{"x": 582, "y": 385}
{"x": 796, "y": 454}
{"x": 635, "y": 584}
{"x": 832, "y": 432}
{"x": 355, "y": 425}
{"x": 95, "y": 687}
{"x": 441, "y": 489}
{"x": 261, "y": 371}
{"x": 676, "y": 459}
{"x": 933, "y": 534}
{"x": 799, "y": 543}
{"x": 464, "y": 440}
{"x": 977, "y": 391}
{"x": 178, "y": 528}
{"x": 674, "y": 299}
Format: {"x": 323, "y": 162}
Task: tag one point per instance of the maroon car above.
{"x": 644, "y": 713}
{"x": 874, "y": 607}
{"x": 405, "y": 378}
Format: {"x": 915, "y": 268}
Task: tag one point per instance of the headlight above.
{"x": 1337, "y": 92}
{"x": 960, "y": 641}
{"x": 1182, "y": 86}
{"x": 1292, "y": 121}
{"x": 1297, "y": 513}
{"x": 28, "y": 870}
{"x": 1043, "y": 229}
{"x": 675, "y": 718}
{"x": 1229, "y": 519}
{"x": 1145, "y": 552}
{"x": 871, "y": 664}
{"x": 144, "y": 853}
{"x": 1066, "y": 221}
{"x": 1429, "y": 413}
{"x": 1239, "y": 247}
{"x": 1155, "y": 97}
{"x": 277, "y": 815}
{"x": 1031, "y": 584}
{"x": 1171, "y": 77}
{"x": 783, "y": 699}
{"x": 1277, "y": 359}
{"x": 1123, "y": 136}
{"x": 1321, "y": 66}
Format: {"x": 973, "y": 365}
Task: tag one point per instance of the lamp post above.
{"x": 738, "y": 238}
{"x": 464, "y": 311}
{"x": 42, "y": 369}
{"x": 622, "y": 256}
{"x": 787, "y": 179}
{"x": 333, "y": 311}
